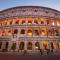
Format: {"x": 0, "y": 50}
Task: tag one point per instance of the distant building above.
{"x": 29, "y": 28}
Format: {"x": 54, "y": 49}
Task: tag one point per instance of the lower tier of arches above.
{"x": 19, "y": 46}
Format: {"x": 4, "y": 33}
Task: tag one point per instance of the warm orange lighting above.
{"x": 0, "y": 23}
{"x": 22, "y": 20}
{"x": 36, "y": 31}
{"x": 58, "y": 23}
{"x": 10, "y": 21}
{"x": 43, "y": 32}
{"x": 29, "y": 20}
{"x": 42, "y": 21}
{"x": 29, "y": 32}
{"x": 16, "y": 21}
{"x": 8, "y": 32}
{"x": 45, "y": 43}
{"x": 15, "y": 31}
{"x": 5, "y": 22}
{"x": 36, "y": 20}
{"x": 1, "y": 32}
{"x": 53, "y": 23}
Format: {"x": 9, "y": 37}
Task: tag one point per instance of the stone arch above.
{"x": 21, "y": 46}
{"x": 29, "y": 45}
{"x": 6, "y": 46}
{"x": 45, "y": 44}
{"x": 37, "y": 45}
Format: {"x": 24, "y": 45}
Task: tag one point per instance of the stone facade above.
{"x": 29, "y": 28}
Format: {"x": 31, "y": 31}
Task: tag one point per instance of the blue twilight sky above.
{"x": 4, "y": 4}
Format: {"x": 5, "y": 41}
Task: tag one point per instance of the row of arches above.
{"x": 30, "y": 31}
{"x": 30, "y": 20}
{"x": 30, "y": 46}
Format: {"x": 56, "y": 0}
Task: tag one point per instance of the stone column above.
{"x": 25, "y": 46}
{"x": 17, "y": 45}
{"x": 9, "y": 46}
{"x": 34, "y": 46}
{"x": 42, "y": 44}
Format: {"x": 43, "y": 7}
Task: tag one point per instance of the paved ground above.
{"x": 15, "y": 56}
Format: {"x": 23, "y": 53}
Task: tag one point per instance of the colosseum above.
{"x": 29, "y": 28}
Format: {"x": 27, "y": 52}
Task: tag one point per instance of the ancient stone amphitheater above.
{"x": 29, "y": 28}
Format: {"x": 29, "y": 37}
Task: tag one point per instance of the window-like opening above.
{"x": 29, "y": 32}
{"x": 45, "y": 44}
{"x": 43, "y": 32}
{"x": 37, "y": 45}
{"x": 29, "y": 45}
{"x": 42, "y": 20}
{"x": 15, "y": 31}
{"x": 36, "y": 21}
{"x": 16, "y": 21}
{"x": 22, "y": 21}
{"x": 8, "y": 32}
{"x": 2, "y": 32}
{"x": 52, "y": 45}
{"x": 29, "y": 20}
{"x": 13, "y": 47}
{"x": 5, "y": 22}
{"x": 56, "y": 32}
{"x": 53, "y": 23}
{"x": 0, "y": 23}
{"x": 48, "y": 22}
{"x": 49, "y": 32}
{"x": 58, "y": 23}
{"x": 6, "y": 45}
{"x": 10, "y": 21}
{"x": 21, "y": 47}
{"x": 36, "y": 32}
{"x": 22, "y": 31}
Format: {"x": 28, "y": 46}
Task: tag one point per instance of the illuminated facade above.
{"x": 29, "y": 28}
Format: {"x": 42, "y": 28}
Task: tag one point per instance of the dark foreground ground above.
{"x": 16, "y": 56}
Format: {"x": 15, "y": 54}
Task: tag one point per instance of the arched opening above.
{"x": 43, "y": 32}
{"x": 45, "y": 45}
{"x": 8, "y": 32}
{"x": 37, "y": 45}
{"x": 5, "y": 22}
{"x": 10, "y": 21}
{"x": 36, "y": 32}
{"x": 50, "y": 32}
{"x": 22, "y": 31}
{"x": 13, "y": 47}
{"x": 48, "y": 22}
{"x": 22, "y": 21}
{"x": 2, "y": 32}
{"x": 14, "y": 31}
{"x": 16, "y": 21}
{"x": 56, "y": 32}
{"x": 58, "y": 23}
{"x": 58, "y": 46}
{"x": 52, "y": 46}
{"x": 29, "y": 45}
{"x": 21, "y": 46}
{"x": 42, "y": 21}
{"x": 35, "y": 20}
{"x": 29, "y": 32}
{"x": 6, "y": 46}
{"x": 29, "y": 20}
{"x": 53, "y": 22}
{"x": 0, "y": 23}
